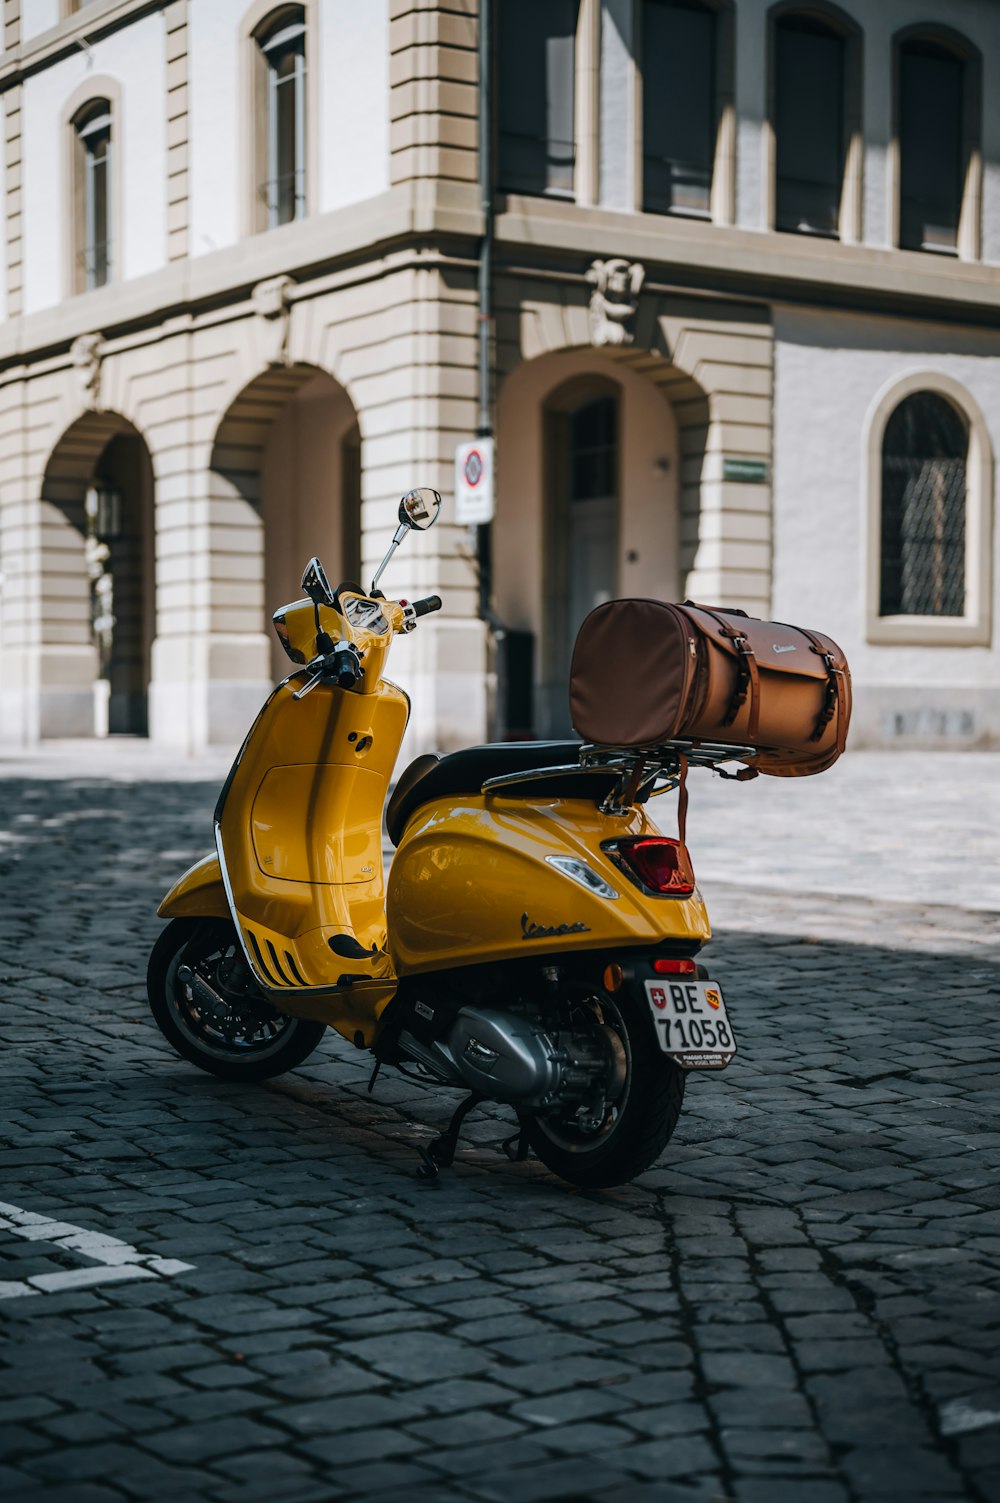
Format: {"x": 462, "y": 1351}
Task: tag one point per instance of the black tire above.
{"x": 639, "y": 1121}
{"x": 256, "y": 1041}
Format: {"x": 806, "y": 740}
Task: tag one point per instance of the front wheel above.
{"x": 242, "y": 1037}
{"x": 632, "y": 1125}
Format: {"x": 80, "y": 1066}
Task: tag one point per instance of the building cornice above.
{"x": 767, "y": 265}
{"x": 533, "y": 237}
{"x": 94, "y": 21}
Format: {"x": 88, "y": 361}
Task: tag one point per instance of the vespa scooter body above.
{"x": 486, "y": 878}
{"x": 536, "y": 941}
{"x": 299, "y": 867}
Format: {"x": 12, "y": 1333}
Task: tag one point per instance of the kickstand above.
{"x": 440, "y": 1153}
{"x": 516, "y": 1146}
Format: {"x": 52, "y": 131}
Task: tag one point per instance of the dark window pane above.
{"x": 285, "y": 144}
{"x": 593, "y": 450}
{"x": 678, "y": 107}
{"x": 94, "y": 255}
{"x": 923, "y": 509}
{"x": 930, "y": 146}
{"x": 98, "y": 248}
{"x": 809, "y": 124}
{"x": 284, "y": 49}
{"x": 536, "y": 65}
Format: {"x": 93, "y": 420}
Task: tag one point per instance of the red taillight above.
{"x": 660, "y": 865}
{"x": 674, "y": 967}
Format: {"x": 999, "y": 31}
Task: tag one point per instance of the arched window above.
{"x": 924, "y": 476}
{"x": 280, "y": 117}
{"x": 679, "y": 106}
{"x": 929, "y": 500}
{"x": 536, "y": 75}
{"x": 92, "y": 146}
{"x": 931, "y": 169}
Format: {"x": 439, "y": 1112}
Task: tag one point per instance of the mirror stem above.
{"x": 401, "y": 532}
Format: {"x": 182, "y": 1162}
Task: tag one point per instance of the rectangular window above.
{"x": 930, "y": 146}
{"x": 536, "y": 63}
{"x": 809, "y": 126}
{"x": 678, "y": 108}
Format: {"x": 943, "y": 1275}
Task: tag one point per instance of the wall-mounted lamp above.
{"x": 103, "y": 504}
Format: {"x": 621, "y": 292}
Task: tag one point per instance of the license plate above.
{"x": 692, "y": 1024}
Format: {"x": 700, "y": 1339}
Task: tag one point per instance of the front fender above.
{"x": 198, "y": 894}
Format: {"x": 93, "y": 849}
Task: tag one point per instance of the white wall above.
{"x": 829, "y": 367}
{"x": 353, "y": 101}
{"x": 618, "y": 45}
{"x": 37, "y": 16}
{"x": 214, "y": 105}
{"x": 751, "y": 102}
{"x": 136, "y": 58}
{"x": 348, "y": 62}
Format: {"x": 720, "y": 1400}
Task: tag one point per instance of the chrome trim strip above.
{"x": 512, "y": 779}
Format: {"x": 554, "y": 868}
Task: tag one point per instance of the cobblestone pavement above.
{"x": 799, "y": 1304}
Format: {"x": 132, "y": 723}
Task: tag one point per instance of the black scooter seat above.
{"x": 430, "y": 777}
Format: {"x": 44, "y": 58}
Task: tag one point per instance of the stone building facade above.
{"x": 240, "y": 317}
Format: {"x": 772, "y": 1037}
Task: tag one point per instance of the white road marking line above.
{"x": 116, "y": 1260}
{"x": 961, "y": 1418}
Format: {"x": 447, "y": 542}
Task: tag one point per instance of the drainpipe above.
{"x": 485, "y": 419}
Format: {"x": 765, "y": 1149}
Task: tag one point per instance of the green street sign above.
{"x": 749, "y": 471}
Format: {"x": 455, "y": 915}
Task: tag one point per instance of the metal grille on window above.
{"x": 94, "y": 255}
{"x": 284, "y": 49}
{"x": 594, "y": 450}
{"x": 924, "y": 456}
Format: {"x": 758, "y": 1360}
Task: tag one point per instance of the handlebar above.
{"x": 341, "y": 666}
{"x": 424, "y": 607}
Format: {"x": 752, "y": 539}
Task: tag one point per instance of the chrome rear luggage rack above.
{"x": 637, "y": 771}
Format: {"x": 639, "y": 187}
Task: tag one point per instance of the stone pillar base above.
{"x": 47, "y": 692}
{"x": 206, "y": 691}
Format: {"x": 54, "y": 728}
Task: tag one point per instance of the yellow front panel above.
{"x": 300, "y": 833}
{"x": 470, "y": 883}
{"x": 319, "y": 823}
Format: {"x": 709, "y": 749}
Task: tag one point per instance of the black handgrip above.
{"x": 343, "y": 666}
{"x": 424, "y": 607}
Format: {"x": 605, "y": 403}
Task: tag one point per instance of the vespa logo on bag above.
{"x": 782, "y": 646}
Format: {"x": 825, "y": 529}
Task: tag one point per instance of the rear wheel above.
{"x": 610, "y": 1141}
{"x": 242, "y": 1037}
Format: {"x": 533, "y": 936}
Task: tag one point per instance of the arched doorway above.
{"x": 286, "y": 466}
{"x": 97, "y": 496}
{"x": 589, "y": 505}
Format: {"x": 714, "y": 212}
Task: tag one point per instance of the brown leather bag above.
{"x": 645, "y": 672}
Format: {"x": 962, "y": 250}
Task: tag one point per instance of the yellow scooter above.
{"x": 536, "y": 943}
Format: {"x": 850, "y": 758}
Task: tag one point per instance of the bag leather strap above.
{"x": 682, "y": 800}
{"x": 833, "y": 703}
{"x": 748, "y": 674}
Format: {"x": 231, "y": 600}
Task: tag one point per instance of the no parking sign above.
{"x": 474, "y": 482}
